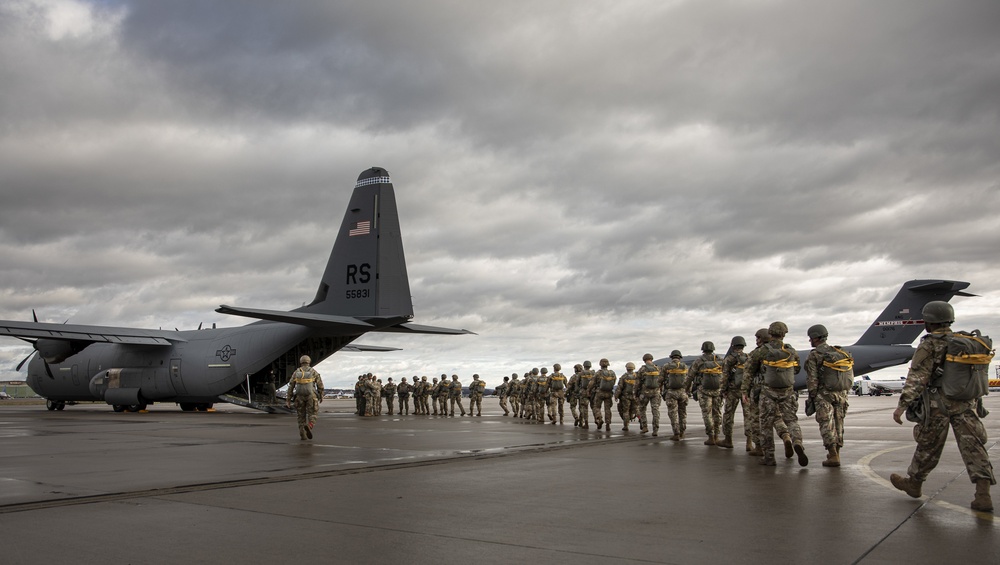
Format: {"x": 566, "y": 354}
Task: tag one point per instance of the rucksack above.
{"x": 837, "y": 372}
{"x": 965, "y": 373}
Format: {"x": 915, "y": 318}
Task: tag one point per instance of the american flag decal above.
{"x": 360, "y": 228}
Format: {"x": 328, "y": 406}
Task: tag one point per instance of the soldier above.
{"x": 750, "y": 389}
{"x": 403, "y": 390}
{"x": 455, "y": 394}
{"x": 503, "y": 391}
{"x": 780, "y": 363}
{"x": 542, "y": 397}
{"x": 528, "y": 398}
{"x": 378, "y": 396}
{"x": 370, "y": 397}
{"x": 949, "y": 371}
{"x": 359, "y": 395}
{"x": 443, "y": 393}
{"x": 587, "y": 389}
{"x": 476, "y": 389}
{"x": 389, "y": 392}
{"x": 573, "y": 393}
{"x": 829, "y": 375}
{"x": 649, "y": 391}
{"x": 732, "y": 380}
{"x": 604, "y": 385}
{"x": 425, "y": 394}
{"x": 557, "y": 393}
{"x": 675, "y": 393}
{"x": 306, "y": 387}
{"x": 708, "y": 370}
{"x": 628, "y": 385}
{"x": 514, "y": 395}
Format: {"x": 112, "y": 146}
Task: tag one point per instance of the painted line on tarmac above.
{"x": 865, "y": 464}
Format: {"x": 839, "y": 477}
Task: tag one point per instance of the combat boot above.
{"x": 727, "y": 442}
{"x": 607, "y": 427}
{"x": 909, "y": 485}
{"x": 801, "y": 452}
{"x": 675, "y": 437}
{"x": 682, "y": 435}
{"x": 302, "y": 432}
{"x": 832, "y": 458}
{"x": 768, "y": 461}
{"x": 756, "y": 452}
{"x": 749, "y": 444}
{"x": 710, "y": 440}
{"x": 789, "y": 448}
{"x": 982, "y": 502}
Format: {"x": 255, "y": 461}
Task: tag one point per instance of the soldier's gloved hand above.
{"x": 897, "y": 415}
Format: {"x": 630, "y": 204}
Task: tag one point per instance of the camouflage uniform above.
{"x": 542, "y": 398}
{"x": 359, "y": 395}
{"x": 455, "y": 394}
{"x": 649, "y": 393}
{"x": 420, "y": 396}
{"x": 628, "y": 384}
{"x": 708, "y": 370}
{"x": 675, "y": 395}
{"x": 370, "y": 396}
{"x": 389, "y": 392}
{"x": 557, "y": 394}
{"x": 586, "y": 392}
{"x": 732, "y": 381}
{"x": 603, "y": 393}
{"x": 476, "y": 389}
{"x": 514, "y": 394}
{"x": 776, "y": 399}
{"x": 831, "y": 405}
{"x": 306, "y": 388}
{"x": 528, "y": 397}
{"x": 443, "y": 392}
{"x": 941, "y": 413}
{"x": 751, "y": 389}
{"x": 403, "y": 390}
{"x": 573, "y": 394}
{"x": 503, "y": 391}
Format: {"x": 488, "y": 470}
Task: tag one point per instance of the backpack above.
{"x": 607, "y": 382}
{"x": 779, "y": 365}
{"x": 711, "y": 374}
{"x": 965, "y": 372}
{"x": 837, "y": 372}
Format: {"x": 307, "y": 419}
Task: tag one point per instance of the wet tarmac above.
{"x": 92, "y": 486}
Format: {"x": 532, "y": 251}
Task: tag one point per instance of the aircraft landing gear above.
{"x": 136, "y": 407}
{"x": 55, "y": 405}
{"x": 117, "y": 407}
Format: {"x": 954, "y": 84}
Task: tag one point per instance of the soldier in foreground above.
{"x": 780, "y": 364}
{"x": 752, "y": 385}
{"x": 557, "y": 393}
{"x": 389, "y": 392}
{"x": 649, "y": 392}
{"x": 403, "y": 390}
{"x": 604, "y": 389}
{"x": 442, "y": 394}
{"x": 476, "y": 389}
{"x": 306, "y": 388}
{"x": 455, "y": 394}
{"x": 503, "y": 391}
{"x": 949, "y": 372}
{"x": 829, "y": 375}
{"x": 732, "y": 397}
{"x": 675, "y": 393}
{"x": 542, "y": 400}
{"x": 628, "y": 385}
{"x": 707, "y": 370}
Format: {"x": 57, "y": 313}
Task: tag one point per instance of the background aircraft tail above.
{"x": 366, "y": 274}
{"x": 901, "y": 322}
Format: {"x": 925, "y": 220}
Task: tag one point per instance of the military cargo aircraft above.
{"x": 364, "y": 289}
{"x": 889, "y": 340}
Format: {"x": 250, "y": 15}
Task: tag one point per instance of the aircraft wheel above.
{"x": 50, "y": 404}
{"x": 117, "y": 407}
{"x": 60, "y": 405}
{"x": 205, "y": 407}
{"x": 188, "y": 406}
{"x": 136, "y": 407}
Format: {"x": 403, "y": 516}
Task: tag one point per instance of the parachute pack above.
{"x": 779, "y": 366}
{"x": 711, "y": 374}
{"x": 837, "y": 373}
{"x": 965, "y": 372}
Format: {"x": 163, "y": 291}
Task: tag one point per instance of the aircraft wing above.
{"x": 420, "y": 329}
{"x": 319, "y": 321}
{"x": 360, "y": 347}
{"x": 87, "y": 334}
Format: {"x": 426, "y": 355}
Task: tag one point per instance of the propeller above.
{"x": 34, "y": 345}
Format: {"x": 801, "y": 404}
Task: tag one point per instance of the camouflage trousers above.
{"x": 711, "y": 410}
{"x": 751, "y": 419}
{"x": 528, "y": 407}
{"x": 457, "y": 401}
{"x": 556, "y": 401}
{"x": 831, "y": 408}
{"x": 626, "y": 409}
{"x": 733, "y": 399}
{"x": 652, "y": 399}
{"x": 775, "y": 404}
{"x": 442, "y": 405}
{"x": 306, "y": 407}
{"x": 931, "y": 435}
{"x": 602, "y": 399}
{"x": 574, "y": 402}
{"x": 584, "y": 410}
{"x": 390, "y": 402}
{"x": 503, "y": 404}
{"x": 543, "y": 403}
{"x": 404, "y": 404}
{"x": 677, "y": 407}
{"x": 369, "y": 404}
{"x": 477, "y": 402}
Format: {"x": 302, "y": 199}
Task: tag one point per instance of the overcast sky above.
{"x": 575, "y": 179}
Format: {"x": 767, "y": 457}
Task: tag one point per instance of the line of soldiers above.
{"x": 369, "y": 394}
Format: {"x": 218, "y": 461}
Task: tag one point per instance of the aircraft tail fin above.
{"x": 366, "y": 272}
{"x": 901, "y": 321}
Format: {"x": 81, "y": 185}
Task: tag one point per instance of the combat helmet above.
{"x": 738, "y": 341}
{"x": 675, "y": 354}
{"x": 817, "y": 332}
{"x": 938, "y": 312}
{"x": 647, "y": 357}
{"x": 630, "y": 366}
{"x": 708, "y": 346}
{"x": 586, "y": 365}
{"x": 778, "y": 329}
{"x": 762, "y": 334}
{"x": 305, "y": 360}
{"x": 605, "y": 362}
{"x": 557, "y": 367}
